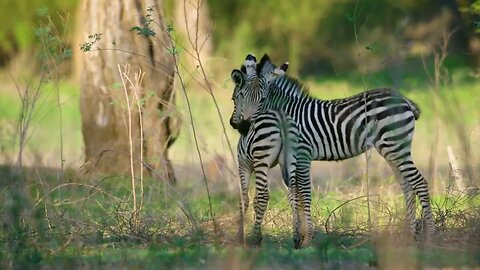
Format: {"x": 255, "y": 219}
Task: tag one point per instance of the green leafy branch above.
{"x": 146, "y": 30}
{"x": 87, "y": 46}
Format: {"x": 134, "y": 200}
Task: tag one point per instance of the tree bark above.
{"x": 102, "y": 100}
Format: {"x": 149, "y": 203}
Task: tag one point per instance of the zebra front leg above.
{"x": 244, "y": 173}
{"x": 262, "y": 196}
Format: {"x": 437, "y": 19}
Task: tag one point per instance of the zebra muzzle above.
{"x": 244, "y": 127}
{"x": 233, "y": 124}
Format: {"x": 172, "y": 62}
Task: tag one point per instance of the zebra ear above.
{"x": 265, "y": 66}
{"x": 280, "y": 71}
{"x": 250, "y": 64}
{"x": 237, "y": 77}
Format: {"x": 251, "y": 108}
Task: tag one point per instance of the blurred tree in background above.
{"x": 321, "y": 37}
{"x": 102, "y": 104}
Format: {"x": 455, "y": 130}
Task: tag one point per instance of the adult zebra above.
{"x": 270, "y": 137}
{"x": 336, "y": 130}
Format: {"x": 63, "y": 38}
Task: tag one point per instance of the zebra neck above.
{"x": 279, "y": 100}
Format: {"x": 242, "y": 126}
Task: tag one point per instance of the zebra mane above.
{"x": 295, "y": 87}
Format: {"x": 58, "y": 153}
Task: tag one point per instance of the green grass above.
{"x": 101, "y": 240}
{"x": 271, "y": 256}
{"x": 88, "y": 228}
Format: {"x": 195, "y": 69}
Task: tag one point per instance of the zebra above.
{"x": 268, "y": 139}
{"x": 336, "y": 130}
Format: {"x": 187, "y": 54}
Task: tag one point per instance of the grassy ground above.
{"x": 64, "y": 219}
{"x": 88, "y": 224}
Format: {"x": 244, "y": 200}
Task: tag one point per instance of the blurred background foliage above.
{"x": 321, "y": 37}
{"x": 333, "y": 36}
{"x": 21, "y": 19}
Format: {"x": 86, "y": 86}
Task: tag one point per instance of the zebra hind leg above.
{"x": 419, "y": 186}
{"x": 288, "y": 174}
{"x": 410, "y": 200}
{"x": 304, "y": 196}
{"x": 293, "y": 200}
{"x": 288, "y": 164}
{"x": 413, "y": 184}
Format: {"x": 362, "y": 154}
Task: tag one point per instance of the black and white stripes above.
{"x": 270, "y": 137}
{"x": 336, "y": 130}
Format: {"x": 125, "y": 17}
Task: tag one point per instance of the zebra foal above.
{"x": 267, "y": 139}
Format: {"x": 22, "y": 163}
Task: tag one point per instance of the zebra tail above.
{"x": 286, "y": 148}
{"x": 289, "y": 149}
{"x": 415, "y": 109}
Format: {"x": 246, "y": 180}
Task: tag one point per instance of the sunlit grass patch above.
{"x": 49, "y": 124}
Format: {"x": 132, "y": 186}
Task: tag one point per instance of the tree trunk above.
{"x": 102, "y": 99}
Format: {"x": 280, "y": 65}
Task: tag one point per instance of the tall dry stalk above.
{"x": 439, "y": 56}
{"x": 134, "y": 87}
{"x": 192, "y": 125}
{"x": 29, "y": 97}
{"x": 54, "y": 51}
{"x": 450, "y": 104}
{"x": 367, "y": 178}
{"x": 138, "y": 77}
{"x": 197, "y": 46}
{"x": 367, "y": 151}
{"x": 456, "y": 173}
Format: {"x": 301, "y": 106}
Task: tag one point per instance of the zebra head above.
{"x": 251, "y": 85}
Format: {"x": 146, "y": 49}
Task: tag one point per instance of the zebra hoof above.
{"x": 306, "y": 242}
{"x": 424, "y": 232}
{"x": 297, "y": 243}
{"x": 241, "y": 238}
{"x": 255, "y": 240}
